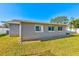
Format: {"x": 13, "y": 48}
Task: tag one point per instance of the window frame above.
{"x": 51, "y": 29}
{"x": 60, "y": 30}
{"x": 41, "y": 26}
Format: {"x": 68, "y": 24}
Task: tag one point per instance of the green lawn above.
{"x": 57, "y": 47}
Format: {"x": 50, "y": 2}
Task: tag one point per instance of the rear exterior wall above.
{"x": 28, "y": 32}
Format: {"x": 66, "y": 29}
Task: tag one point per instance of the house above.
{"x": 3, "y": 30}
{"x": 35, "y": 30}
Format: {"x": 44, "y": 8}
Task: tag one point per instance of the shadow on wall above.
{"x": 49, "y": 38}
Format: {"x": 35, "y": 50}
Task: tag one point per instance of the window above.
{"x": 50, "y": 28}
{"x": 38, "y": 28}
{"x": 59, "y": 28}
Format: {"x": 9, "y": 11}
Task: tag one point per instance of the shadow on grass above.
{"x": 56, "y": 38}
{"x": 1, "y": 35}
{"x": 75, "y": 35}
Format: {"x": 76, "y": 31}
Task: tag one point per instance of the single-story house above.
{"x": 35, "y": 30}
{"x": 3, "y": 30}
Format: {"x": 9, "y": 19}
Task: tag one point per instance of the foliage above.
{"x": 75, "y": 23}
{"x": 60, "y": 19}
{"x": 6, "y": 25}
{"x": 53, "y": 47}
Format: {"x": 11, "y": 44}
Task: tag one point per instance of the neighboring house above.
{"x": 4, "y": 30}
{"x": 74, "y": 30}
{"x": 77, "y": 30}
{"x": 36, "y": 30}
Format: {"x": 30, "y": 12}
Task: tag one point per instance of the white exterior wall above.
{"x": 4, "y": 30}
{"x": 14, "y": 30}
{"x": 28, "y": 32}
{"x": 77, "y": 30}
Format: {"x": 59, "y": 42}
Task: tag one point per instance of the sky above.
{"x": 38, "y": 12}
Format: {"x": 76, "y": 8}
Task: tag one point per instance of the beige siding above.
{"x": 14, "y": 30}
{"x": 28, "y": 32}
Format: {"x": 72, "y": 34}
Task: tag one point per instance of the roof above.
{"x": 30, "y": 22}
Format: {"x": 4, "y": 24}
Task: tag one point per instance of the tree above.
{"x": 6, "y": 25}
{"x": 74, "y": 24}
{"x": 70, "y": 24}
{"x": 60, "y": 19}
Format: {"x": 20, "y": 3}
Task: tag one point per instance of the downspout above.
{"x": 20, "y": 32}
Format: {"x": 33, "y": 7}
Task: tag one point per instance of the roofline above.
{"x": 42, "y": 23}
{"x": 28, "y": 22}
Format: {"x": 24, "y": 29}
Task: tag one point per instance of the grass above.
{"x": 3, "y": 35}
{"x": 68, "y": 46}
